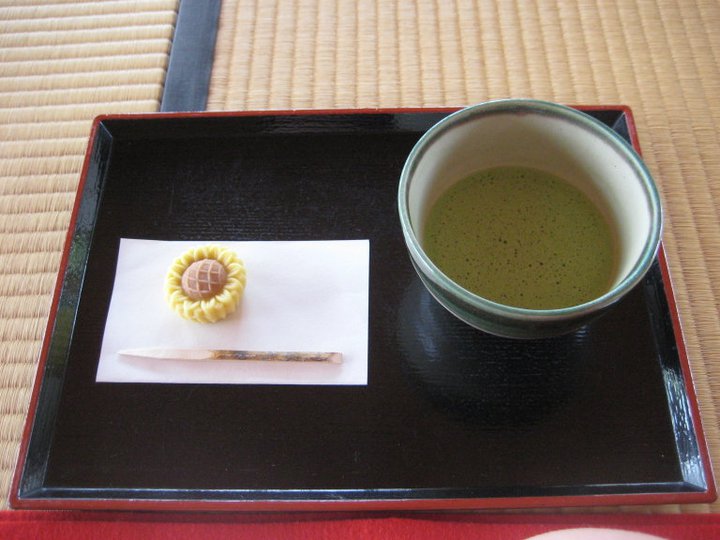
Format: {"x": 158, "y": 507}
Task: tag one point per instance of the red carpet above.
{"x": 108, "y": 526}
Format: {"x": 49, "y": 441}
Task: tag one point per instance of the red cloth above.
{"x": 110, "y": 526}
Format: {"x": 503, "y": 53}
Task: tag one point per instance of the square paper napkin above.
{"x": 300, "y": 296}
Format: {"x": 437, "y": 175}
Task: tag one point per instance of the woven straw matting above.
{"x": 660, "y": 57}
{"x": 61, "y": 64}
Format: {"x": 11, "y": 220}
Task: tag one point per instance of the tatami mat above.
{"x": 659, "y": 57}
{"x": 62, "y": 63}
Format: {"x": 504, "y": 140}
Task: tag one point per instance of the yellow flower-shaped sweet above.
{"x": 205, "y": 284}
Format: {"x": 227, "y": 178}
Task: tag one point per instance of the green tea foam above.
{"x": 521, "y": 237}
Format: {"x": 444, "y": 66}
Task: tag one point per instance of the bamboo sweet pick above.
{"x": 223, "y": 354}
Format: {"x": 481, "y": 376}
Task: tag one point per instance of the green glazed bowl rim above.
{"x": 534, "y": 106}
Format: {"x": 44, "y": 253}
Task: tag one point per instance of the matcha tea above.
{"x": 521, "y": 237}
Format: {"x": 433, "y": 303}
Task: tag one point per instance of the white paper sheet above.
{"x": 300, "y": 296}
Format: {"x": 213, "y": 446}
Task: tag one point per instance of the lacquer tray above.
{"x": 450, "y": 417}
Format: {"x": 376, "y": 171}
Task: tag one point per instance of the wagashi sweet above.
{"x": 205, "y": 284}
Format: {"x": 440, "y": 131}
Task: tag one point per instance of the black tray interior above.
{"x": 449, "y": 412}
